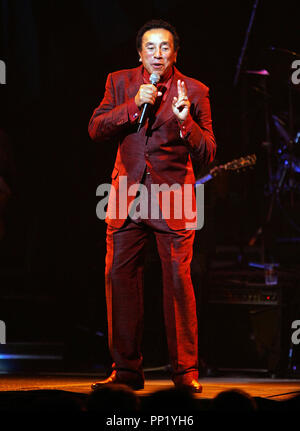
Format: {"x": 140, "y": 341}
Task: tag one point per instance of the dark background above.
{"x": 58, "y": 54}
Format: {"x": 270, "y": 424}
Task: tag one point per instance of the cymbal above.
{"x": 262, "y": 72}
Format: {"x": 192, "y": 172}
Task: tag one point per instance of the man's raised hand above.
{"x": 181, "y": 104}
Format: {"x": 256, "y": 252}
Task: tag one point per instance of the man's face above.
{"x": 157, "y": 53}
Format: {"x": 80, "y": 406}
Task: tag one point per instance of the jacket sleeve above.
{"x": 109, "y": 119}
{"x": 197, "y": 130}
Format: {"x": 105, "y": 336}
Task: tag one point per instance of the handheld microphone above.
{"x": 154, "y": 78}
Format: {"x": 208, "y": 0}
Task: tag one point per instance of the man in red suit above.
{"x": 177, "y": 129}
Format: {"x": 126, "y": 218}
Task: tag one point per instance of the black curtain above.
{"x": 58, "y": 54}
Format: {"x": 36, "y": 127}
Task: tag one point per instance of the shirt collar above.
{"x": 164, "y": 80}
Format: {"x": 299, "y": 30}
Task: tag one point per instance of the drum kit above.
{"x": 283, "y": 155}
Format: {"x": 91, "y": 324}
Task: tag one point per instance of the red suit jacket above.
{"x": 165, "y": 146}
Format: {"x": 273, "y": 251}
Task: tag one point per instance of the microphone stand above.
{"x": 245, "y": 138}
{"x": 240, "y": 61}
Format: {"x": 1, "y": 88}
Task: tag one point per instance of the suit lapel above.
{"x": 136, "y": 82}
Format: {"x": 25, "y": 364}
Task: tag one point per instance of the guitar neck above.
{"x": 235, "y": 165}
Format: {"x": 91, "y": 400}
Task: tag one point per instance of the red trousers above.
{"x": 124, "y": 294}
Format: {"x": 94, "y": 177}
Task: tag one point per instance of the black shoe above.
{"x": 187, "y": 381}
{"x": 193, "y": 386}
{"x": 134, "y": 382}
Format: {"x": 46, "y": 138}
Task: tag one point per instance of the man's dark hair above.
{"x": 156, "y": 23}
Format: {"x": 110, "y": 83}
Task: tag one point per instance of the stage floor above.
{"x": 276, "y": 389}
